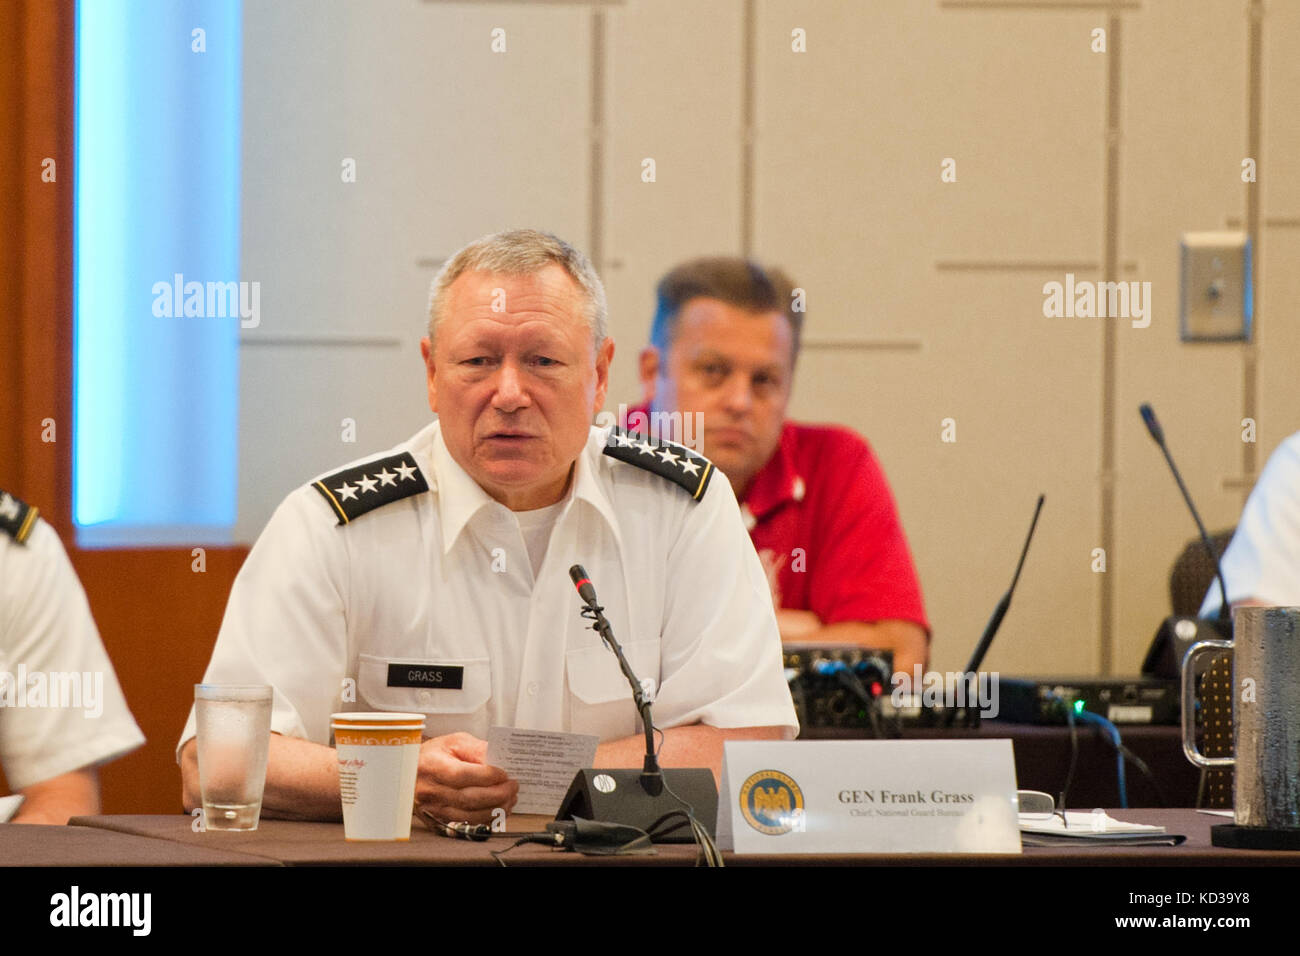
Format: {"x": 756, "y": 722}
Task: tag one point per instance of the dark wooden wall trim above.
{"x": 39, "y": 56}
{"x": 159, "y": 620}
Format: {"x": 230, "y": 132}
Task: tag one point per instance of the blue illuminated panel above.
{"x": 157, "y": 198}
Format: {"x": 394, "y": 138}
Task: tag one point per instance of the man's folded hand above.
{"x": 456, "y": 784}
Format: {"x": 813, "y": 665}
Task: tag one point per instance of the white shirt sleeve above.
{"x": 1263, "y": 560}
{"x": 720, "y": 649}
{"x": 285, "y": 621}
{"x": 48, "y": 638}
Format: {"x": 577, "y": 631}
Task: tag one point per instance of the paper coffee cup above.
{"x": 378, "y": 754}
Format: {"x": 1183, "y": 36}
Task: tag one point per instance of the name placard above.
{"x": 868, "y": 796}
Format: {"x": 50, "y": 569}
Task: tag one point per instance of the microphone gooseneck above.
{"x": 1158, "y": 435}
{"x": 999, "y": 612}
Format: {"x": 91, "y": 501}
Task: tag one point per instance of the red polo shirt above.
{"x": 823, "y": 519}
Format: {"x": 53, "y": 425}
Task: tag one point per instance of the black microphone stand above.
{"x": 652, "y": 778}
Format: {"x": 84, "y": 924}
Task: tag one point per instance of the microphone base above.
{"x": 618, "y": 796}
{"x": 1237, "y": 837}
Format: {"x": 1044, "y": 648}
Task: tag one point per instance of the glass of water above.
{"x": 234, "y": 730}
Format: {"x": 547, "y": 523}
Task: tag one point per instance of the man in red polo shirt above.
{"x": 717, "y": 375}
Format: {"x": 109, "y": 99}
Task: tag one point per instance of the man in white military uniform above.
{"x": 62, "y": 713}
{"x": 1262, "y": 564}
{"x": 434, "y": 578}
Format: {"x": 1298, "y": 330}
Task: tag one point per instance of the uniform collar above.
{"x": 777, "y": 483}
{"x": 461, "y": 498}
{"x": 586, "y": 484}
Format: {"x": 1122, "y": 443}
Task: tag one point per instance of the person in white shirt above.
{"x": 62, "y": 713}
{"x": 434, "y": 578}
{"x": 1262, "y": 563}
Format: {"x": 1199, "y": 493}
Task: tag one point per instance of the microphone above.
{"x": 1153, "y": 426}
{"x": 583, "y": 584}
{"x": 1158, "y": 434}
{"x": 645, "y": 800}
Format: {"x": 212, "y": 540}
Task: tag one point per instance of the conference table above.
{"x": 171, "y": 841}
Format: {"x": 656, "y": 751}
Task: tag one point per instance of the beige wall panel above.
{"x": 1278, "y": 276}
{"x": 1279, "y": 174}
{"x": 630, "y": 292}
{"x": 449, "y": 140}
{"x": 1184, "y": 92}
{"x": 295, "y": 398}
{"x": 1279, "y": 340}
{"x": 853, "y": 132}
{"x": 673, "y": 95}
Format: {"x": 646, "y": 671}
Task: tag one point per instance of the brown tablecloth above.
{"x": 31, "y": 845}
{"x": 322, "y": 844}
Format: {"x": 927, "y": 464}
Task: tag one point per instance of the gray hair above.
{"x": 522, "y": 252}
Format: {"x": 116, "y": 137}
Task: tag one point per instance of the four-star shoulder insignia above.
{"x": 667, "y": 459}
{"x": 16, "y": 517}
{"x": 355, "y": 491}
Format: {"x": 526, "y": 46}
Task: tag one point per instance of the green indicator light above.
{"x": 1078, "y": 707}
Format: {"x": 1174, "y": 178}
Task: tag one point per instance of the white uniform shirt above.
{"x": 1263, "y": 560}
{"x": 61, "y": 708}
{"x": 442, "y": 579}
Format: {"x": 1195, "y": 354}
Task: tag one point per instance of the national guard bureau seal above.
{"x": 772, "y": 803}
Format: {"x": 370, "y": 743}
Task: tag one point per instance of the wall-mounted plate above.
{"x": 1216, "y": 299}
